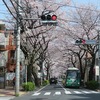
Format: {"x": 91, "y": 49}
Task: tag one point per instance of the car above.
{"x": 53, "y": 81}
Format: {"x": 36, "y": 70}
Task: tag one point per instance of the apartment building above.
{"x": 7, "y": 52}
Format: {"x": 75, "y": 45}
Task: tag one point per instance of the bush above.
{"x": 45, "y": 82}
{"x": 29, "y": 86}
{"x": 92, "y": 85}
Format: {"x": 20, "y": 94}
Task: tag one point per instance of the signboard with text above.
{"x": 97, "y": 70}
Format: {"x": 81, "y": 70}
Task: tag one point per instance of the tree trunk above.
{"x": 91, "y": 72}
{"x": 41, "y": 68}
{"x": 36, "y": 79}
{"x": 47, "y": 77}
{"x": 80, "y": 62}
{"x": 29, "y": 73}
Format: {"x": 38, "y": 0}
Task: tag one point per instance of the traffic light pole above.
{"x": 99, "y": 55}
{"x": 17, "y": 74}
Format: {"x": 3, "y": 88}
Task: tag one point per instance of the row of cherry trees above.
{"x": 84, "y": 25}
{"x": 35, "y": 37}
{"x": 81, "y": 23}
{"x": 55, "y": 44}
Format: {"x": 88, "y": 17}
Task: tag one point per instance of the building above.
{"x": 7, "y": 53}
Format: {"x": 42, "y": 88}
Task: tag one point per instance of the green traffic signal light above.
{"x": 78, "y": 41}
{"x": 43, "y": 17}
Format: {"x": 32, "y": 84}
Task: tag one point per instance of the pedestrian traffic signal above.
{"x": 49, "y": 19}
{"x": 80, "y": 41}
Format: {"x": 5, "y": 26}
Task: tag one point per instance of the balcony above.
{"x": 6, "y": 43}
{"x": 2, "y": 41}
{"x": 10, "y": 47}
{"x": 2, "y": 62}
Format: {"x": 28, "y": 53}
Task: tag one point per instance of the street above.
{"x": 46, "y": 45}
{"x": 57, "y": 92}
{"x": 6, "y": 97}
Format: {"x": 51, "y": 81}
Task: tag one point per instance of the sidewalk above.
{"x": 9, "y": 91}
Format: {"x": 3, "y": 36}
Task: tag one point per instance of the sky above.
{"x": 96, "y": 2}
{"x": 3, "y": 9}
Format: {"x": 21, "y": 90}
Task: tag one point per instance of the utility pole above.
{"x": 17, "y": 74}
{"x": 99, "y": 54}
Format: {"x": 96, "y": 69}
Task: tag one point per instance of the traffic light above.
{"x": 80, "y": 41}
{"x": 49, "y": 19}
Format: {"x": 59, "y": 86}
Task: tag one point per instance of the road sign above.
{"x": 97, "y": 70}
{"x": 90, "y": 42}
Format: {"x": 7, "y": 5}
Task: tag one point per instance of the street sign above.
{"x": 97, "y": 70}
{"x": 90, "y": 42}
{"x": 83, "y": 42}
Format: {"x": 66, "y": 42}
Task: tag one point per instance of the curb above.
{"x": 10, "y": 93}
{"x": 98, "y": 90}
{"x": 21, "y": 93}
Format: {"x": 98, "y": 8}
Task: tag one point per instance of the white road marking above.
{"x": 47, "y": 93}
{"x": 94, "y": 92}
{"x": 63, "y": 87}
{"x": 57, "y": 93}
{"x": 41, "y": 89}
{"x": 35, "y": 94}
{"x": 86, "y": 92}
{"x": 67, "y": 92}
{"x": 78, "y": 92}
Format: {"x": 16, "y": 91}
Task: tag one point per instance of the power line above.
{"x": 8, "y": 8}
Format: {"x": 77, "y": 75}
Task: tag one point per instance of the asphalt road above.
{"x": 57, "y": 92}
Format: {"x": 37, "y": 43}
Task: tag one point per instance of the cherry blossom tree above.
{"x": 83, "y": 24}
{"x": 34, "y": 36}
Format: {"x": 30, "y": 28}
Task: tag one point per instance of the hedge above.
{"x": 92, "y": 85}
{"x": 29, "y": 86}
{"x": 45, "y": 82}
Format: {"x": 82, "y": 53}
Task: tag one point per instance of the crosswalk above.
{"x": 64, "y": 92}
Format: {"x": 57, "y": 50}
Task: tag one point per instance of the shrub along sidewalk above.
{"x": 30, "y": 86}
{"x": 24, "y": 89}
{"x": 93, "y": 85}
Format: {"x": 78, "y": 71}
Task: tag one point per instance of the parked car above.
{"x": 53, "y": 81}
